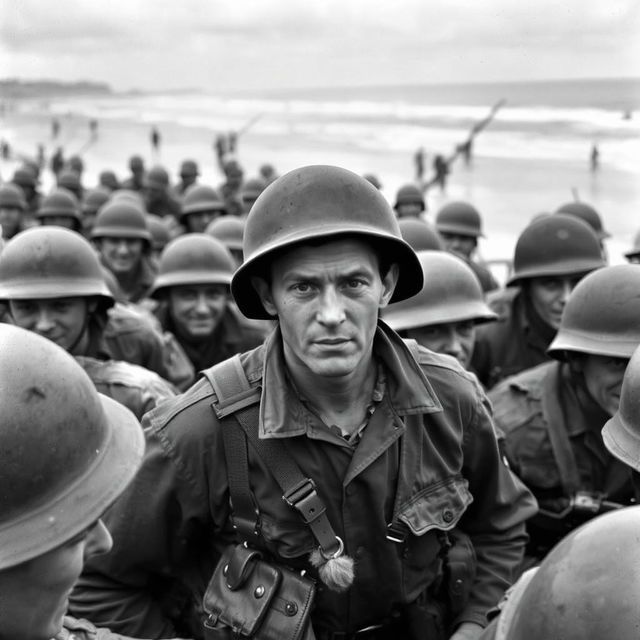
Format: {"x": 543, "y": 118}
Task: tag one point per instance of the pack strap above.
{"x": 558, "y": 436}
{"x": 236, "y": 400}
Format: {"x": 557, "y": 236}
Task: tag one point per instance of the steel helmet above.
{"x": 409, "y": 194}
{"x": 198, "y": 198}
{"x": 586, "y": 213}
{"x": 136, "y": 163}
{"x": 252, "y": 188}
{"x": 585, "y": 589}
{"x": 157, "y": 177}
{"x": 51, "y": 262}
{"x": 24, "y": 177}
{"x": 66, "y": 451}
{"x": 159, "y": 231}
{"x": 60, "y": 202}
{"x": 108, "y": 179}
{"x": 121, "y": 218}
{"x": 194, "y": 258}
{"x": 228, "y": 230}
{"x": 319, "y": 202}
{"x": 420, "y": 235}
{"x": 189, "y": 168}
{"x": 12, "y": 196}
{"x": 94, "y": 199}
{"x": 70, "y": 179}
{"x": 459, "y": 218}
{"x": 451, "y": 293}
{"x": 601, "y": 315}
{"x": 557, "y": 245}
{"x": 621, "y": 434}
{"x": 76, "y": 163}
{"x": 636, "y": 247}
{"x": 134, "y": 197}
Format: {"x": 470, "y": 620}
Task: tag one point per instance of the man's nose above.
{"x": 331, "y": 311}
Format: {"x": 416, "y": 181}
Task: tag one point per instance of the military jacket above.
{"x": 74, "y": 629}
{"x": 427, "y": 457}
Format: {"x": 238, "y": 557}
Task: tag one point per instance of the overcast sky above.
{"x": 248, "y": 44}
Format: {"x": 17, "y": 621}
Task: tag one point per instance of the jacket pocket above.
{"x": 435, "y": 509}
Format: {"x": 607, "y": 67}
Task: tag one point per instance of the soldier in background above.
{"x": 189, "y": 173}
{"x": 551, "y": 415}
{"x": 193, "y": 289}
{"x": 52, "y": 282}
{"x": 135, "y": 182}
{"x": 410, "y": 202}
{"x": 444, "y": 315}
{"x": 551, "y": 256}
{"x": 157, "y": 196}
{"x": 199, "y": 207}
{"x": 60, "y": 208}
{"x": 460, "y": 225}
{"x": 12, "y": 208}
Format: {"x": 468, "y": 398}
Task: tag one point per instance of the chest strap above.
{"x": 238, "y": 411}
{"x": 558, "y": 436}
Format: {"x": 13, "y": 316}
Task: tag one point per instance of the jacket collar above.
{"x": 282, "y": 414}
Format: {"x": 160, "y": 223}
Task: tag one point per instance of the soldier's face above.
{"x": 327, "y": 300}
{"x": 603, "y": 378}
{"x": 121, "y": 255}
{"x": 61, "y": 320}
{"x": 461, "y": 245}
{"x": 199, "y": 221}
{"x": 197, "y": 309}
{"x": 34, "y": 595}
{"x": 67, "y": 222}
{"x": 10, "y": 220}
{"x": 455, "y": 339}
{"x": 549, "y": 296}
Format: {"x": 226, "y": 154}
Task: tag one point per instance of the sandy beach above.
{"x": 507, "y": 191}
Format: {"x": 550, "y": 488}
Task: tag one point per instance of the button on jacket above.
{"x": 428, "y": 457}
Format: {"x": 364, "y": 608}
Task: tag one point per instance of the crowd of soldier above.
{"x": 134, "y": 281}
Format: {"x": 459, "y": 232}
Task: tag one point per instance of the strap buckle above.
{"x": 396, "y": 532}
{"x": 304, "y": 497}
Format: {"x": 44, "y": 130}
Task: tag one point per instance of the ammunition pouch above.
{"x": 248, "y": 597}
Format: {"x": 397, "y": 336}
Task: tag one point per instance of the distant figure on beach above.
{"x": 594, "y": 157}
{"x": 155, "y": 140}
{"x": 466, "y": 150}
{"x": 5, "y": 150}
{"x": 93, "y": 129}
{"x": 57, "y": 162}
{"x": 55, "y": 128}
{"x": 418, "y": 160}
{"x": 441, "y": 169}
{"x": 268, "y": 173}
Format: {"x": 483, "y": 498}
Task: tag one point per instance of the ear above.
{"x": 264, "y": 293}
{"x": 389, "y": 284}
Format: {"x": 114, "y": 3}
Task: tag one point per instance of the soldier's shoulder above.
{"x": 517, "y": 399}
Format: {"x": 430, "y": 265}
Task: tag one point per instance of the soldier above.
{"x": 584, "y": 589}
{"x": 135, "y": 182}
{"x": 52, "y": 282}
{"x": 123, "y": 241}
{"x": 108, "y": 180}
{"x": 160, "y": 237}
{"x": 420, "y": 235}
{"x": 552, "y": 415}
{"x": 402, "y": 451}
{"x": 66, "y": 453}
{"x": 459, "y": 225}
{"x": 193, "y": 286}
{"x": 12, "y": 208}
{"x": 231, "y": 188}
{"x": 229, "y": 231}
{"x": 158, "y": 199}
{"x": 200, "y": 206}
{"x": 621, "y": 433}
{"x": 552, "y": 254}
{"x": 28, "y": 182}
{"x": 60, "y": 208}
{"x": 409, "y": 202}
{"x": 444, "y": 315}
{"x": 189, "y": 173}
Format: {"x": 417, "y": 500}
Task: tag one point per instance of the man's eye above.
{"x": 302, "y": 287}
{"x": 355, "y": 283}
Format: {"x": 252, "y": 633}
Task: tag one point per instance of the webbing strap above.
{"x": 559, "y": 438}
{"x": 233, "y": 390}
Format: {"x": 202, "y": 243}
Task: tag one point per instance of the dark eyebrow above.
{"x": 347, "y": 275}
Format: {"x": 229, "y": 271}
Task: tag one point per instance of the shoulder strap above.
{"x": 559, "y": 438}
{"x": 236, "y": 398}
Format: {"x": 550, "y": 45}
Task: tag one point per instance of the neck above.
{"x": 128, "y": 281}
{"x": 340, "y": 401}
{"x": 82, "y": 346}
